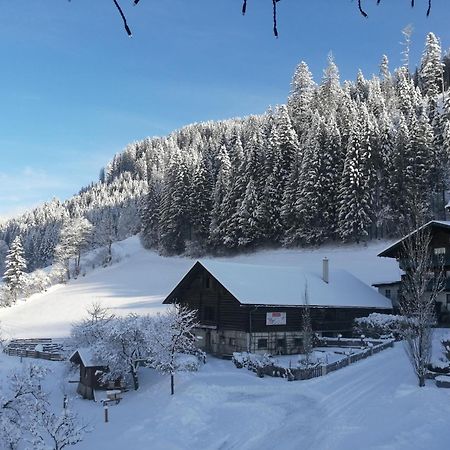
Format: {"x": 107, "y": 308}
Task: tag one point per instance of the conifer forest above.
{"x": 340, "y": 161}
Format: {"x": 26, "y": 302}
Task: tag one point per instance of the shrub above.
{"x": 378, "y": 325}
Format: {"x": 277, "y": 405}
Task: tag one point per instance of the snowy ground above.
{"x": 142, "y": 279}
{"x": 372, "y": 404}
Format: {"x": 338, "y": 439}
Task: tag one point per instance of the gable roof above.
{"x": 285, "y": 286}
{"x": 392, "y": 250}
{"x": 86, "y": 357}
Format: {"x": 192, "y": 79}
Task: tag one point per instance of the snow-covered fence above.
{"x": 40, "y": 348}
{"x": 264, "y": 365}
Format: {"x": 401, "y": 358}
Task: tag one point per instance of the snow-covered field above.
{"x": 372, "y": 404}
{"x": 142, "y": 279}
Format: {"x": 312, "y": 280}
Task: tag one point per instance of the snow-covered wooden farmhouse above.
{"x": 440, "y": 248}
{"x": 259, "y": 308}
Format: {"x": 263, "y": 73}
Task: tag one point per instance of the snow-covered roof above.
{"x": 276, "y": 285}
{"x": 439, "y": 223}
{"x": 87, "y": 358}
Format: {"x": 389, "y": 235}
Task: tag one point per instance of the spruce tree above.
{"x": 15, "y": 269}
{"x": 355, "y": 196}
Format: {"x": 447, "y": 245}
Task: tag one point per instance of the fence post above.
{"x": 324, "y": 370}
{"x": 105, "y": 407}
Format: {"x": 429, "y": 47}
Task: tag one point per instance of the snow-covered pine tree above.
{"x": 430, "y": 74}
{"x": 174, "y": 224}
{"x": 289, "y": 145}
{"x": 330, "y": 91}
{"x": 355, "y": 196}
{"x": 220, "y": 193}
{"x": 15, "y": 269}
{"x": 150, "y": 213}
{"x": 299, "y": 102}
{"x": 271, "y": 198}
{"x": 420, "y": 164}
{"x": 249, "y": 218}
{"x": 200, "y": 207}
{"x": 308, "y": 229}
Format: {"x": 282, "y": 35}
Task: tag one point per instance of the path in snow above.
{"x": 373, "y": 404}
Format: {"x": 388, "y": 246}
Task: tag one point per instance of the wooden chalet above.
{"x": 440, "y": 248}
{"x": 91, "y": 371}
{"x": 245, "y": 307}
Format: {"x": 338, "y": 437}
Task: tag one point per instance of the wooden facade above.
{"x": 440, "y": 248}
{"x": 227, "y": 325}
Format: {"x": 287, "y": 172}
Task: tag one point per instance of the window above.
{"x": 207, "y": 282}
{"x": 280, "y": 343}
{"x": 447, "y": 299}
{"x": 262, "y": 343}
{"x": 387, "y": 293}
{"x": 439, "y": 251}
{"x": 232, "y": 342}
{"x": 298, "y": 342}
{"x": 209, "y": 313}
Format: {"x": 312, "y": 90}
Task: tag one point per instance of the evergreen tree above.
{"x": 200, "y": 203}
{"x": 300, "y": 98}
{"x": 249, "y": 218}
{"x": 174, "y": 221}
{"x": 431, "y": 67}
{"x": 355, "y": 197}
{"x": 15, "y": 269}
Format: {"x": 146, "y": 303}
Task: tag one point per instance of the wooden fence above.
{"x": 26, "y": 348}
{"x": 322, "y": 369}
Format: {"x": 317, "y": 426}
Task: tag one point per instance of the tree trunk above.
{"x": 172, "y": 384}
{"x": 421, "y": 380}
{"x": 135, "y": 379}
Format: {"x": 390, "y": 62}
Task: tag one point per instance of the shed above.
{"x": 91, "y": 369}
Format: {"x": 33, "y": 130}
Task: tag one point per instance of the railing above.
{"x": 321, "y": 369}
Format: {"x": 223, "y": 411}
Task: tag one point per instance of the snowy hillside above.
{"x": 142, "y": 279}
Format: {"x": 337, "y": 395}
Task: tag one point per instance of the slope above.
{"x": 142, "y": 279}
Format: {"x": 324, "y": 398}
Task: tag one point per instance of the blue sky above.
{"x": 74, "y": 89}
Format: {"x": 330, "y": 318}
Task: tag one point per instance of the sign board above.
{"x": 276, "y": 318}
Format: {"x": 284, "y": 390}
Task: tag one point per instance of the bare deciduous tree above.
{"x": 421, "y": 285}
{"x": 274, "y": 6}
{"x": 307, "y": 332}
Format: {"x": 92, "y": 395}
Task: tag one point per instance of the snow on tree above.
{"x": 431, "y": 67}
{"x": 418, "y": 301}
{"x": 307, "y": 331}
{"x": 173, "y": 342}
{"x": 355, "y": 196}
{"x": 3, "y": 252}
{"x": 150, "y": 213}
{"x": 26, "y": 416}
{"x": 303, "y": 88}
{"x": 249, "y": 217}
{"x": 200, "y": 207}
{"x": 122, "y": 344}
{"x": 15, "y": 269}
{"x": 74, "y": 237}
{"x": 184, "y": 192}
{"x": 174, "y": 220}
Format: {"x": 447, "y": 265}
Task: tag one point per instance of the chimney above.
{"x": 326, "y": 270}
